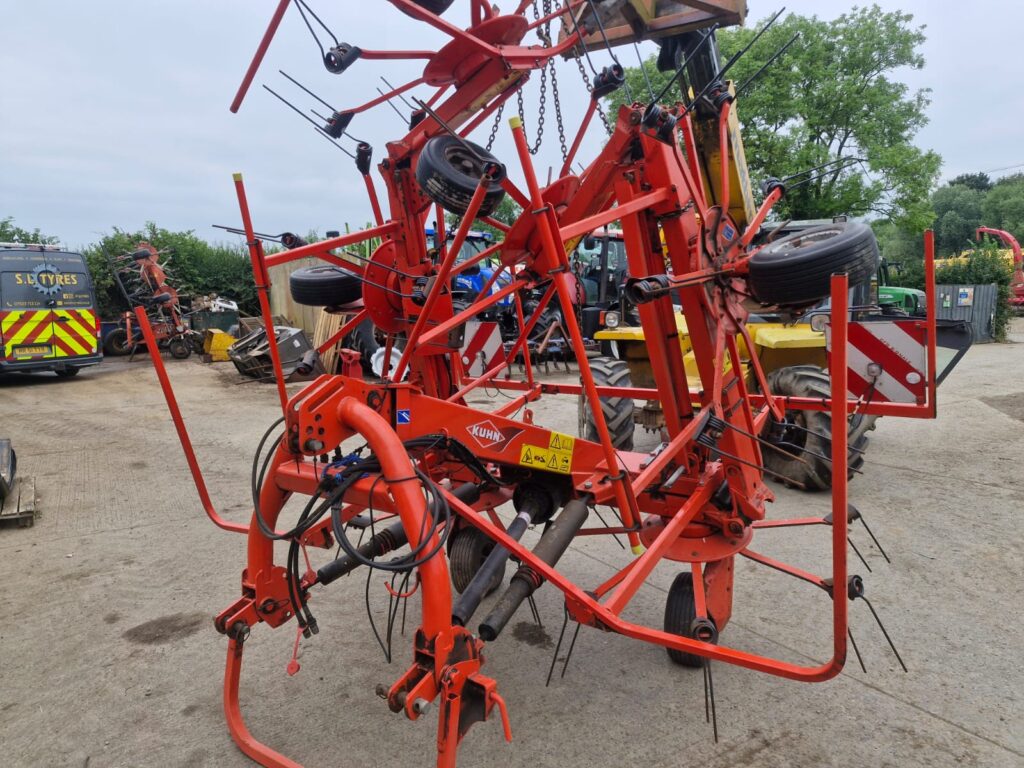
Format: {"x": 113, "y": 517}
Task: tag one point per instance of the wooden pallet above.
{"x": 20, "y": 503}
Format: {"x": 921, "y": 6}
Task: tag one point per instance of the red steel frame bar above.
{"x": 179, "y": 427}
{"x": 342, "y": 332}
{"x": 259, "y": 269}
{"x": 261, "y": 51}
{"x": 320, "y": 249}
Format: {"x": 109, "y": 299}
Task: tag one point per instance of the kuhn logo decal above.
{"x": 490, "y": 436}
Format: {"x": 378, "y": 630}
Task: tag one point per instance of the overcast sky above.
{"x": 115, "y": 113}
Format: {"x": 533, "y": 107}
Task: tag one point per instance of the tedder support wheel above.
{"x": 434, "y": 6}
{"x": 808, "y": 434}
{"x": 469, "y": 548}
{"x": 365, "y": 343}
{"x": 324, "y": 286}
{"x": 797, "y": 270}
{"x": 116, "y": 342}
{"x": 680, "y": 611}
{"x": 448, "y": 173}
{"x": 618, "y": 411}
{"x": 179, "y": 348}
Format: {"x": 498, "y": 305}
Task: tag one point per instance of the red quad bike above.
{"x": 441, "y": 468}
{"x": 142, "y": 280}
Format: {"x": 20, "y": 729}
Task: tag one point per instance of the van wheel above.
{"x": 797, "y": 270}
{"x": 67, "y": 373}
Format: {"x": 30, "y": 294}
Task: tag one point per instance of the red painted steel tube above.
{"x": 261, "y": 51}
{"x": 442, "y": 329}
{"x": 398, "y": 473}
{"x": 755, "y": 224}
{"x": 371, "y": 191}
{"x": 443, "y": 273}
{"x": 179, "y": 426}
{"x": 462, "y": 266}
{"x": 589, "y": 224}
{"x": 932, "y": 310}
{"x": 343, "y": 331}
{"x": 259, "y": 270}
{"x": 555, "y": 250}
{"x": 249, "y": 745}
{"x": 840, "y": 316}
{"x": 584, "y": 124}
{"x": 385, "y": 97}
{"x": 320, "y": 248}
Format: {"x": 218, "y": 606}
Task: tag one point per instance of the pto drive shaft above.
{"x": 549, "y": 549}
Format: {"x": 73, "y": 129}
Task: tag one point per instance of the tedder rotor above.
{"x": 438, "y": 468}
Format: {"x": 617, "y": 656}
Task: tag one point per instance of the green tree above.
{"x": 958, "y": 212}
{"x": 1004, "y": 204}
{"x": 833, "y": 94}
{"x": 193, "y": 265}
{"x": 978, "y": 181}
{"x": 10, "y": 233}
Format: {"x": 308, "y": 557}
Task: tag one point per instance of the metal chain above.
{"x": 494, "y": 128}
{"x": 558, "y": 111}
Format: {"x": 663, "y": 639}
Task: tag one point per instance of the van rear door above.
{"x": 26, "y": 324}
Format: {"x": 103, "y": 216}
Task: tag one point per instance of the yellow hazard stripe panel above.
{"x": 30, "y": 328}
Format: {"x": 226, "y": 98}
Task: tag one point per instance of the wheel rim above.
{"x": 463, "y": 161}
{"x": 799, "y": 242}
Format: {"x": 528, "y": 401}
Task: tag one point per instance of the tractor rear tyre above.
{"x": 179, "y": 348}
{"x": 797, "y": 270}
{"x": 325, "y": 286}
{"x": 469, "y": 549}
{"x": 680, "y": 611}
{"x": 808, "y": 434}
{"x": 365, "y": 343}
{"x": 618, "y": 411}
{"x": 448, "y": 173}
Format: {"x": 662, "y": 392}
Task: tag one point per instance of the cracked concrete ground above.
{"x": 108, "y": 656}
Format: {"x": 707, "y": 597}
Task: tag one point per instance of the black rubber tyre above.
{"x": 796, "y": 270}
{"x": 680, "y": 611}
{"x": 816, "y": 473}
{"x": 434, "y": 6}
{"x": 180, "y": 348}
{"x": 67, "y": 373}
{"x": 618, "y": 411}
{"x": 469, "y": 548}
{"x": 116, "y": 343}
{"x": 324, "y": 286}
{"x": 449, "y": 174}
{"x": 365, "y": 343}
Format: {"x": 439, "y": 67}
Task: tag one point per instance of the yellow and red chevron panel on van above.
{"x": 44, "y": 333}
{"x": 26, "y": 333}
{"x": 74, "y": 332}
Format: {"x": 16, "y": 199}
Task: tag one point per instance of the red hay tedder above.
{"x": 440, "y": 468}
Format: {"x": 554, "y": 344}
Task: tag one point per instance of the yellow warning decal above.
{"x": 556, "y": 457}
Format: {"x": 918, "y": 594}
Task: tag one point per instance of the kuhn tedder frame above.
{"x": 442, "y": 467}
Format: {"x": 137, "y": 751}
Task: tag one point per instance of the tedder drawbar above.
{"x": 438, "y": 468}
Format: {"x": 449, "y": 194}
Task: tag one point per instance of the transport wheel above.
{"x": 179, "y": 348}
{"x": 680, "y": 611}
{"x": 469, "y": 548}
{"x": 67, "y": 373}
{"x": 324, "y": 286}
{"x": 448, "y": 174}
{"x": 618, "y": 411}
{"x": 796, "y": 270}
{"x": 434, "y": 6}
{"x": 808, "y": 434}
{"x": 116, "y": 342}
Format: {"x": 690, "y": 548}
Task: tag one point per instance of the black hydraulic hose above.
{"x": 391, "y": 538}
{"x": 549, "y": 549}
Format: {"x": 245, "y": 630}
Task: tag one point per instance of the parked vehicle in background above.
{"x": 48, "y": 315}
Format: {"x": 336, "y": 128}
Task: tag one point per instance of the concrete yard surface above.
{"x": 110, "y": 657}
